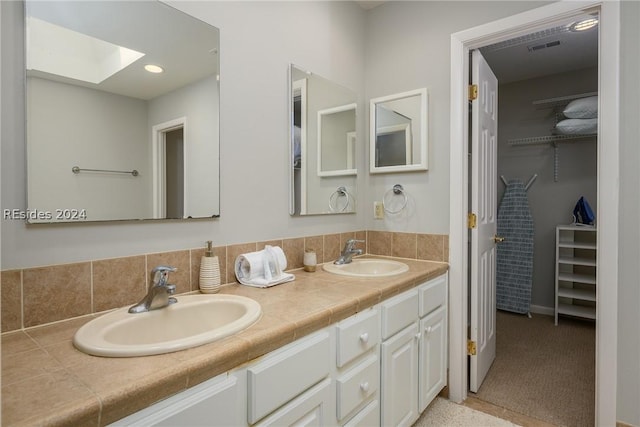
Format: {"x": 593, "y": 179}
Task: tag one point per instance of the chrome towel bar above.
{"x": 77, "y": 170}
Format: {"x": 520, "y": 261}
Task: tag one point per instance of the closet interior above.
{"x": 547, "y": 140}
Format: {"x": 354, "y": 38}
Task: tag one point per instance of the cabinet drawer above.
{"x": 399, "y": 312}
{"x": 368, "y": 417}
{"x": 356, "y": 335}
{"x": 433, "y": 294}
{"x": 212, "y": 403}
{"x": 311, "y": 409}
{"x": 357, "y": 385}
{"x": 292, "y": 369}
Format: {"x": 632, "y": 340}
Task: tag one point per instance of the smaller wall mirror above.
{"x": 399, "y": 132}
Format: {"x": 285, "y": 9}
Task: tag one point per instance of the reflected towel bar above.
{"x": 77, "y": 170}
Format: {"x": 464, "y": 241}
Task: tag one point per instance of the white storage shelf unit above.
{"x": 575, "y": 271}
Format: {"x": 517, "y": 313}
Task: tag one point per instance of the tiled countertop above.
{"x": 46, "y": 381}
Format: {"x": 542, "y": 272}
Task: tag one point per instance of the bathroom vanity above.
{"x": 381, "y": 366}
{"x": 328, "y": 350}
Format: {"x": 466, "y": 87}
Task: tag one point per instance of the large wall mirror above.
{"x": 322, "y": 145}
{"x": 399, "y": 132}
{"x": 122, "y": 112}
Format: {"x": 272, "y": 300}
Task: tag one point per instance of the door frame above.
{"x": 607, "y": 187}
{"x": 158, "y": 156}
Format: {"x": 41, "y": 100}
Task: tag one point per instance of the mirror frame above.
{"x": 422, "y": 164}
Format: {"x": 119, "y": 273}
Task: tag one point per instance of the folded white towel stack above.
{"x": 263, "y": 268}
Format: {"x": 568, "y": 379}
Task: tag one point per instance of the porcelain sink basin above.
{"x": 192, "y": 321}
{"x": 366, "y": 267}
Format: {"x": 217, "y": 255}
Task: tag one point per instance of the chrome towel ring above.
{"x": 397, "y": 190}
{"x": 335, "y": 196}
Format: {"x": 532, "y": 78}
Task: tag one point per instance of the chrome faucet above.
{"x": 158, "y": 295}
{"x": 348, "y": 252}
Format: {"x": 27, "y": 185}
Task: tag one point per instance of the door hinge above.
{"x": 471, "y": 220}
{"x": 473, "y": 92}
{"x": 471, "y": 348}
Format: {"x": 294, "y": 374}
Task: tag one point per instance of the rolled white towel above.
{"x": 262, "y": 268}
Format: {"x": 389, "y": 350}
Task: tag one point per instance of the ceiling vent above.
{"x": 537, "y": 47}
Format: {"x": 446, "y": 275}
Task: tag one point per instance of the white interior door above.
{"x": 484, "y": 140}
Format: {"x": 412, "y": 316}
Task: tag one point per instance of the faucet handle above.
{"x": 352, "y": 242}
{"x": 163, "y": 268}
{"x": 160, "y": 274}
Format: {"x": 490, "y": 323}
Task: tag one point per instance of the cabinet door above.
{"x": 433, "y": 356}
{"x": 399, "y": 386}
{"x": 212, "y": 403}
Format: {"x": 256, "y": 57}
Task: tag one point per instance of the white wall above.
{"x": 408, "y": 48}
{"x": 63, "y": 132}
{"x": 551, "y": 203}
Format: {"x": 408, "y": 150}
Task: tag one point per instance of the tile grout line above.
{"x": 22, "y": 298}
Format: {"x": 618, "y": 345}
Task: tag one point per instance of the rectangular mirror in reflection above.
{"x": 398, "y": 132}
{"x": 322, "y": 145}
{"x": 122, "y": 112}
{"x": 337, "y": 141}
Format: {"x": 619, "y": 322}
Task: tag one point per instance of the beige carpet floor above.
{"x": 444, "y": 413}
{"x": 543, "y": 371}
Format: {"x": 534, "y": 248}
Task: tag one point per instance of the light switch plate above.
{"x": 378, "y": 210}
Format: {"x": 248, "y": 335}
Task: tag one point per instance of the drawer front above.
{"x": 399, "y": 312}
{"x": 357, "y": 335}
{"x": 311, "y": 409}
{"x": 433, "y": 294}
{"x": 357, "y": 385}
{"x": 212, "y": 403}
{"x": 286, "y": 373}
{"x": 368, "y": 417}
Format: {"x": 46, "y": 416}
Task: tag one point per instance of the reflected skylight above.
{"x": 63, "y": 52}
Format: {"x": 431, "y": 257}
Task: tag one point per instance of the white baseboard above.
{"x": 540, "y": 309}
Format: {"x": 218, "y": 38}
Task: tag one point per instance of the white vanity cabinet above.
{"x": 413, "y": 351}
{"x": 379, "y": 367}
{"x": 219, "y": 401}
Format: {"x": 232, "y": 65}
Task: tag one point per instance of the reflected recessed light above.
{"x": 153, "y": 68}
{"x": 584, "y": 25}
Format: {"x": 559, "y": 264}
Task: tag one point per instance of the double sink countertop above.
{"x": 47, "y": 381}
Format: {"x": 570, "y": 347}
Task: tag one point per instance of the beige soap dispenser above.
{"x": 209, "y": 271}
